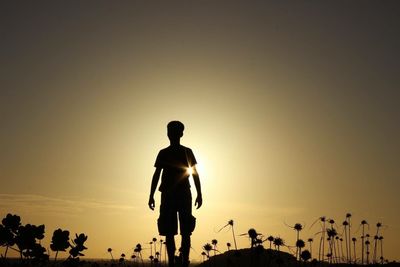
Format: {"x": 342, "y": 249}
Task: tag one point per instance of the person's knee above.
{"x": 170, "y": 242}
{"x": 185, "y": 241}
{"x": 188, "y": 224}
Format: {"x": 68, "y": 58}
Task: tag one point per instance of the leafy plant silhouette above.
{"x": 8, "y": 231}
{"x": 78, "y": 246}
{"x": 27, "y": 242}
{"x": 59, "y": 241}
{"x": 305, "y": 255}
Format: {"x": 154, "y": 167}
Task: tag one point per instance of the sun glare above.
{"x": 190, "y": 171}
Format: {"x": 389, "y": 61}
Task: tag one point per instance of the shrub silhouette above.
{"x": 27, "y": 238}
{"x": 8, "y": 231}
{"x": 78, "y": 245}
{"x": 59, "y": 241}
{"x": 27, "y": 243}
{"x": 305, "y": 255}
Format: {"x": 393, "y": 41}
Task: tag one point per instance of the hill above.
{"x": 251, "y": 257}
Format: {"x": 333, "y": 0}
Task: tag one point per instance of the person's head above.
{"x": 175, "y": 130}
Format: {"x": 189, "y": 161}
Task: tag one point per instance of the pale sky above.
{"x": 291, "y": 109}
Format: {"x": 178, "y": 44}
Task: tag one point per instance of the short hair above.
{"x": 176, "y": 127}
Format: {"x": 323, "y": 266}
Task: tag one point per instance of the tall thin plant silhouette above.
{"x": 321, "y": 246}
{"x": 367, "y": 244}
{"x": 348, "y": 219}
{"x": 331, "y": 232}
{"x": 310, "y": 241}
{"x": 230, "y": 224}
{"x": 376, "y": 237}
{"x": 298, "y": 227}
{"x": 354, "y": 248}
{"x": 345, "y": 225}
{"x": 381, "y": 245}
{"x": 363, "y": 224}
{"x": 109, "y": 250}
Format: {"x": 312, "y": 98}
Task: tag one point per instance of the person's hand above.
{"x": 152, "y": 203}
{"x": 199, "y": 201}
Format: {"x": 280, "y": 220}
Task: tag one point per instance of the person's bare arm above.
{"x": 196, "y": 178}
{"x": 154, "y": 182}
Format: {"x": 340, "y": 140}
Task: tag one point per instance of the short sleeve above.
{"x": 159, "y": 160}
{"x": 191, "y": 158}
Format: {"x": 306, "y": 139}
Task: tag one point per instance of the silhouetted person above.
{"x": 176, "y": 163}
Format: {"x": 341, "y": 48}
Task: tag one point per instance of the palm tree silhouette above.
{"x": 297, "y": 227}
{"x": 299, "y": 245}
{"x": 278, "y": 242}
{"x": 270, "y": 239}
{"x": 207, "y": 247}
{"x": 214, "y": 242}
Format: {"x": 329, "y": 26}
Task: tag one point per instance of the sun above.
{"x": 189, "y": 170}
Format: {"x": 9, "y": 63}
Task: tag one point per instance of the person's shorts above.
{"x": 174, "y": 206}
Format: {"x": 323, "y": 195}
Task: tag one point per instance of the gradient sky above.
{"x": 291, "y": 108}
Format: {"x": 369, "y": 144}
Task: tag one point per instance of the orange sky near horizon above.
{"x": 291, "y": 109}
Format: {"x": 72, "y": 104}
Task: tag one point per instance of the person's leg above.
{"x": 187, "y": 223}
{"x": 170, "y": 243}
{"x": 185, "y": 246}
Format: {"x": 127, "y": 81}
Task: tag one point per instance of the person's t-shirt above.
{"x": 175, "y": 162}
